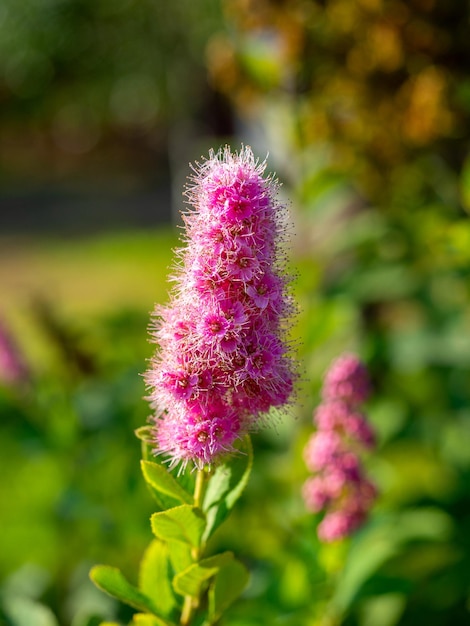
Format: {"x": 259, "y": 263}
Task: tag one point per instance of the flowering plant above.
{"x": 223, "y": 362}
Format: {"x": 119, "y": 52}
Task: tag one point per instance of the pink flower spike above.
{"x": 224, "y": 359}
{"x": 13, "y": 369}
{"x": 338, "y": 485}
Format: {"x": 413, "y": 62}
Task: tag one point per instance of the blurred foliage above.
{"x": 75, "y": 74}
{"x": 73, "y": 62}
{"x": 72, "y": 493}
{"x": 382, "y": 82}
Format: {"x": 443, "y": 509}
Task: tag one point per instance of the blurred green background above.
{"x": 364, "y": 108}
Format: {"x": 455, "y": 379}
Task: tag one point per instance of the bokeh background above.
{"x": 364, "y": 108}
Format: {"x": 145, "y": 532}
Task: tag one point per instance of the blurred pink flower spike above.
{"x": 338, "y": 485}
{"x": 223, "y": 358}
{"x": 13, "y": 369}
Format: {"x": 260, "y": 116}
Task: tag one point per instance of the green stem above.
{"x": 199, "y": 486}
{"x": 187, "y": 612}
{"x": 190, "y": 604}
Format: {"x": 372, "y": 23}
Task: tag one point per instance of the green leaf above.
{"x": 160, "y": 479}
{"x": 155, "y": 577}
{"x": 226, "y": 486}
{"x": 229, "y": 582}
{"x": 164, "y": 482}
{"x": 182, "y": 523}
{"x": 111, "y": 581}
{"x": 144, "y": 619}
{"x": 191, "y": 581}
{"x": 180, "y": 555}
{"x": 163, "y": 502}
{"x": 186, "y": 479}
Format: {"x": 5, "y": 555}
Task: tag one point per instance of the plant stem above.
{"x": 187, "y": 612}
{"x": 190, "y": 603}
{"x": 199, "y": 487}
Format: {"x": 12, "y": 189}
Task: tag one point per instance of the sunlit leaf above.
{"x": 191, "y": 581}
{"x": 160, "y": 479}
{"x": 155, "y": 577}
{"x": 111, "y": 580}
{"x": 229, "y": 582}
{"x": 183, "y": 523}
{"x": 226, "y": 486}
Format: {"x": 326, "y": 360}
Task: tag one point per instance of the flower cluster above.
{"x": 224, "y": 360}
{"x": 338, "y": 484}
{"x": 13, "y": 369}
